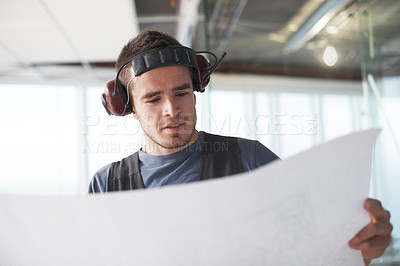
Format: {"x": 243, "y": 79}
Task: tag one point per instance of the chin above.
{"x": 176, "y": 144}
{"x": 177, "y": 140}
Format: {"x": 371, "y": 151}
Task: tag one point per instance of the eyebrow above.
{"x": 184, "y": 86}
{"x": 149, "y": 95}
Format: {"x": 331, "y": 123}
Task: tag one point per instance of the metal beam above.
{"x": 164, "y": 19}
{"x": 225, "y": 16}
{"x": 188, "y": 16}
{"x": 314, "y": 24}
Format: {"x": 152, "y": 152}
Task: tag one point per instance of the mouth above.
{"x": 173, "y": 126}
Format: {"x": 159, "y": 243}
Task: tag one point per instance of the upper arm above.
{"x": 263, "y": 155}
{"x": 99, "y": 182}
{"x": 254, "y": 154}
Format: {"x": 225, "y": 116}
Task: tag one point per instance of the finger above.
{"x": 374, "y": 248}
{"x": 370, "y": 231}
{"x": 376, "y": 243}
{"x": 376, "y": 211}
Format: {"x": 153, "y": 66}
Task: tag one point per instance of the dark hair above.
{"x": 145, "y": 41}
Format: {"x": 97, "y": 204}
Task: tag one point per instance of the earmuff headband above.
{"x": 115, "y": 99}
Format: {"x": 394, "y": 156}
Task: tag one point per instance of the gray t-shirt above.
{"x": 184, "y": 165}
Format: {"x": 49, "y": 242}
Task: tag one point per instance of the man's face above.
{"x": 164, "y": 104}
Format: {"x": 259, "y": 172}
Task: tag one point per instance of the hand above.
{"x": 374, "y": 238}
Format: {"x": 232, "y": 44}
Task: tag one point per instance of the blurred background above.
{"x": 297, "y": 73}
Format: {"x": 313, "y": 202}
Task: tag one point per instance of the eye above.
{"x": 154, "y": 100}
{"x": 181, "y": 94}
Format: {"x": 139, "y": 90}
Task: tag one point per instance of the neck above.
{"x": 160, "y": 150}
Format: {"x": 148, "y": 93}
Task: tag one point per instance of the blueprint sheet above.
{"x": 298, "y": 211}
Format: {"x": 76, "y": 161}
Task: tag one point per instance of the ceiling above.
{"x": 77, "y": 41}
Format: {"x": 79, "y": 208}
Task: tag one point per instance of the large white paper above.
{"x": 298, "y": 211}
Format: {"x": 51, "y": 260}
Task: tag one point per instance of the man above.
{"x": 156, "y": 79}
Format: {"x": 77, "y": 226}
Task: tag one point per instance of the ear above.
{"x": 134, "y": 112}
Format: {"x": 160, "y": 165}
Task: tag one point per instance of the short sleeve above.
{"x": 254, "y": 154}
{"x": 263, "y": 155}
{"x": 99, "y": 182}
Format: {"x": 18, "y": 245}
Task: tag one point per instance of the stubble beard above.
{"x": 176, "y": 137}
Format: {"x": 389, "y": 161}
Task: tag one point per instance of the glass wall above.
{"x": 380, "y": 34}
{"x": 286, "y": 122}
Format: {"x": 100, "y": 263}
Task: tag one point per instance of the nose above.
{"x": 170, "y": 107}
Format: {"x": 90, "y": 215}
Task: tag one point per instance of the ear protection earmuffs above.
{"x": 116, "y": 97}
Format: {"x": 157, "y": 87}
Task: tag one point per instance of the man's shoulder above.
{"x": 254, "y": 153}
{"x": 245, "y": 142}
{"x": 99, "y": 182}
{"x": 251, "y": 146}
{"x": 213, "y": 143}
{"x": 240, "y": 139}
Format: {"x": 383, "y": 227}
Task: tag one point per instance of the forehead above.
{"x": 162, "y": 78}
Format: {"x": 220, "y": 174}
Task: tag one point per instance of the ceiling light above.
{"x": 330, "y": 56}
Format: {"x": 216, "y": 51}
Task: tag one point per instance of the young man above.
{"x": 155, "y": 82}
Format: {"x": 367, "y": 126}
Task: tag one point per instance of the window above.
{"x": 39, "y": 139}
